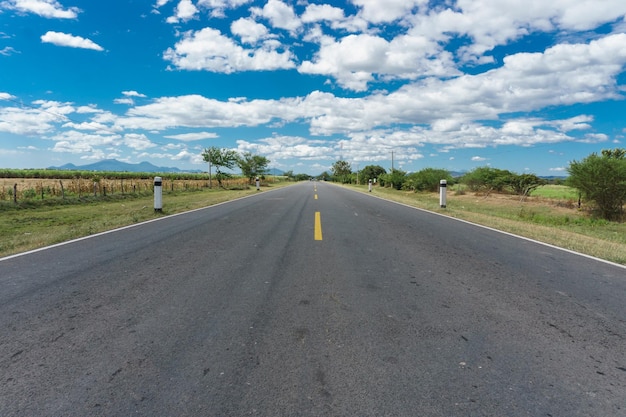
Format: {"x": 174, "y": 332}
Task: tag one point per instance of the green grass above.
{"x": 556, "y": 191}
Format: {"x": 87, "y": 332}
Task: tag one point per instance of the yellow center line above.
{"x": 316, "y": 196}
{"x": 318, "y": 226}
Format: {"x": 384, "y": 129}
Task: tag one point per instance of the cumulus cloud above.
{"x": 44, "y": 8}
{"x": 280, "y": 14}
{"x": 355, "y": 59}
{"x": 249, "y": 31}
{"x": 209, "y": 50}
{"x": 184, "y": 11}
{"x": 138, "y": 141}
{"x": 376, "y": 11}
{"x": 218, "y": 7}
{"x": 65, "y": 39}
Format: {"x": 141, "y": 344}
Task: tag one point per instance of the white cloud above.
{"x": 184, "y": 11}
{"x": 478, "y": 159}
{"x": 138, "y": 141}
{"x": 355, "y": 59}
{"x": 187, "y": 137}
{"x": 287, "y": 147}
{"x": 322, "y": 12}
{"x": 496, "y": 22}
{"x": 64, "y": 39}
{"x": 209, "y": 50}
{"x": 377, "y": 11}
{"x": 198, "y": 111}
{"x": 6, "y": 96}
{"x": 249, "y": 31}
{"x": 44, "y": 8}
{"x": 133, "y": 93}
{"x": 128, "y": 101}
{"x": 78, "y": 142}
{"x": 8, "y": 51}
{"x": 218, "y": 7}
{"x": 280, "y": 14}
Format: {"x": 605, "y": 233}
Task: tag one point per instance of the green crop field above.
{"x": 556, "y": 191}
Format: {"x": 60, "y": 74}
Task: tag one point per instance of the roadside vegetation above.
{"x": 584, "y": 213}
{"x": 43, "y": 207}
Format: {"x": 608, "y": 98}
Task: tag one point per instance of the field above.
{"x": 551, "y": 214}
{"x": 22, "y": 189}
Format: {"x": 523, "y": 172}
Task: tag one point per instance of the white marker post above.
{"x": 369, "y": 186}
{"x": 442, "y": 193}
{"x": 258, "y": 183}
{"x": 158, "y": 194}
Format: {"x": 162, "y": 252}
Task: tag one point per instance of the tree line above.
{"x": 599, "y": 178}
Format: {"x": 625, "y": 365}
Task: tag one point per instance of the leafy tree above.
{"x": 341, "y": 171}
{"x": 525, "y": 184}
{"x": 487, "y": 179}
{"x": 252, "y": 166}
{"x": 393, "y": 179}
{"x": 428, "y": 179}
{"x": 602, "y": 179}
{"x": 220, "y": 158}
{"x": 371, "y": 171}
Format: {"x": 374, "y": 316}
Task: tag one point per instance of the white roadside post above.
{"x": 442, "y": 193}
{"x": 369, "y": 186}
{"x": 258, "y": 183}
{"x": 158, "y": 194}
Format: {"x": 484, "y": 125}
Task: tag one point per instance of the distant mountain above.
{"x": 118, "y": 166}
{"x": 275, "y": 172}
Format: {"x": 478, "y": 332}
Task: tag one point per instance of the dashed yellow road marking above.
{"x": 318, "y": 226}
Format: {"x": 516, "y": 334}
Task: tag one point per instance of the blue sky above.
{"x": 521, "y": 85}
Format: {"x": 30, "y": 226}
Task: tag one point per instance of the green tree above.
{"x": 252, "y": 166}
{"x": 602, "y": 180}
{"x": 371, "y": 172}
{"x": 394, "y": 179}
{"x": 487, "y": 179}
{"x": 525, "y": 184}
{"x": 341, "y": 171}
{"x": 428, "y": 179}
{"x": 220, "y": 158}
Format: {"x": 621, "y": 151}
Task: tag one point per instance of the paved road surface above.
{"x": 255, "y": 308}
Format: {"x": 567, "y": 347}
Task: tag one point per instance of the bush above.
{"x": 602, "y": 180}
{"x": 428, "y": 179}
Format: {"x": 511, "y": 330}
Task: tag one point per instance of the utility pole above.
{"x": 391, "y": 161}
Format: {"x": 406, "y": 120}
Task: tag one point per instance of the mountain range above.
{"x": 118, "y": 166}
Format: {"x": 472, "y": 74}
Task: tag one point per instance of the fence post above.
{"x": 15, "y": 193}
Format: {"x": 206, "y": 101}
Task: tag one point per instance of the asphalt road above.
{"x": 254, "y": 307}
